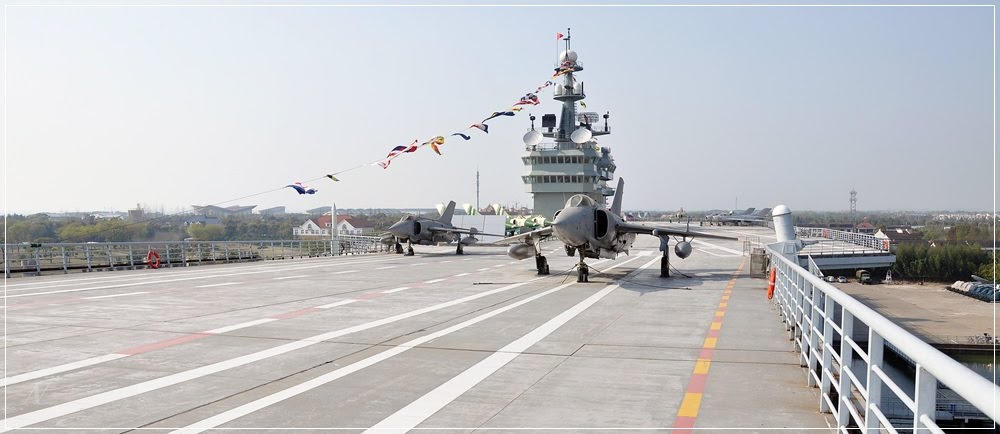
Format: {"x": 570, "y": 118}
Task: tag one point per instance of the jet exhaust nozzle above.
{"x": 682, "y": 249}
{"x": 521, "y": 251}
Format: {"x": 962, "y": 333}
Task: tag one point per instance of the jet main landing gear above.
{"x": 665, "y": 263}
{"x": 399, "y": 248}
{"x": 542, "y": 265}
{"x": 570, "y": 251}
{"x": 409, "y": 249}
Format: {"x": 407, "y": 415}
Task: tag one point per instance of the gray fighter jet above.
{"x": 591, "y": 231}
{"x": 424, "y": 231}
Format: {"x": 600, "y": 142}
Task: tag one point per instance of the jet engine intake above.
{"x": 682, "y": 249}
{"x": 521, "y": 251}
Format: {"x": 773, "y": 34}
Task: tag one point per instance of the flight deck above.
{"x": 474, "y": 342}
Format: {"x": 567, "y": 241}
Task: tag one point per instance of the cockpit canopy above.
{"x": 580, "y": 200}
{"x": 407, "y": 218}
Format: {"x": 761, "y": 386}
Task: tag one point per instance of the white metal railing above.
{"x": 66, "y": 257}
{"x": 821, "y": 321}
{"x": 864, "y": 240}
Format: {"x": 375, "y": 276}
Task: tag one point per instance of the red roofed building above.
{"x": 346, "y": 225}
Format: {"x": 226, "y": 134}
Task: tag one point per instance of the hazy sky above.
{"x": 112, "y": 106}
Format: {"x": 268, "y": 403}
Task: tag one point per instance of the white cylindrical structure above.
{"x": 784, "y": 227}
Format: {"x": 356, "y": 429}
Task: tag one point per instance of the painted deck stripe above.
{"x": 295, "y": 313}
{"x": 418, "y": 411}
{"x": 687, "y": 414}
{"x": 184, "y": 279}
{"x": 243, "y": 325}
{"x": 60, "y": 369}
{"x": 337, "y": 304}
{"x": 435, "y": 280}
{"x": 162, "y": 344}
{"x": 717, "y": 247}
{"x": 277, "y": 397}
{"x": 346, "y": 272}
{"x": 461, "y": 274}
{"x": 115, "y": 295}
{"x": 390, "y": 291}
{"x": 483, "y": 269}
{"x": 291, "y": 277}
{"x": 386, "y": 268}
{"x": 218, "y": 284}
{"x": 59, "y": 410}
{"x": 301, "y": 388}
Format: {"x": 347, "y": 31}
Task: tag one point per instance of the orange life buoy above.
{"x": 770, "y": 283}
{"x": 153, "y": 259}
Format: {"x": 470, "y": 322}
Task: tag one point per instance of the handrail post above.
{"x": 813, "y": 338}
{"x": 86, "y": 250}
{"x": 925, "y": 397}
{"x": 874, "y": 386}
{"x": 846, "y": 356}
{"x": 131, "y": 257}
{"x": 167, "y": 248}
{"x": 62, "y": 249}
{"x": 827, "y": 368}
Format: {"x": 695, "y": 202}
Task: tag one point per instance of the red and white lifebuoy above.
{"x": 770, "y": 283}
{"x": 153, "y": 259}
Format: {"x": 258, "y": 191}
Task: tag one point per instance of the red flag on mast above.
{"x": 559, "y": 36}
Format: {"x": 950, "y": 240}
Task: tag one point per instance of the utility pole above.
{"x": 334, "y": 232}
{"x": 477, "y": 190}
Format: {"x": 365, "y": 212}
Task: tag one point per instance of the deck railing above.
{"x": 823, "y": 321}
{"x": 67, "y": 257}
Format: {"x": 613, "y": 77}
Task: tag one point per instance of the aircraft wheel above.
{"x": 458, "y": 250}
{"x": 570, "y": 251}
{"x": 665, "y": 266}
{"x": 399, "y": 248}
{"x": 542, "y": 265}
{"x": 409, "y": 251}
{"x": 582, "y": 274}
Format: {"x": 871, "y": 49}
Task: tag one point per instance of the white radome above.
{"x": 568, "y": 56}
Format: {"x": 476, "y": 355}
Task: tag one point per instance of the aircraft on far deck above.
{"x": 758, "y": 216}
{"x": 588, "y": 229}
{"x": 425, "y": 231}
{"x": 722, "y": 216}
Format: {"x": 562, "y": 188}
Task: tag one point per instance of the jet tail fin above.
{"x": 616, "y": 205}
{"x": 447, "y": 214}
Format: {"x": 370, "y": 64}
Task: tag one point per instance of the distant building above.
{"x": 215, "y": 211}
{"x": 899, "y": 235}
{"x": 346, "y": 225}
{"x": 865, "y": 228}
{"x": 319, "y": 211}
{"x": 202, "y": 220}
{"x": 278, "y": 210}
{"x": 135, "y": 214}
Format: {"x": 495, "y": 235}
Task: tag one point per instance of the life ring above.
{"x": 770, "y": 283}
{"x": 153, "y": 259}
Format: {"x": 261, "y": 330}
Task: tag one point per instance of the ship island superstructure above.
{"x": 573, "y": 162}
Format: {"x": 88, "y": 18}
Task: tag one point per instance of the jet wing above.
{"x": 528, "y": 237}
{"x": 461, "y": 231}
{"x": 660, "y": 232}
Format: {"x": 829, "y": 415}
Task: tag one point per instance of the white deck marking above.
{"x": 346, "y": 272}
{"x": 291, "y": 277}
{"x": 298, "y": 389}
{"x": 61, "y": 368}
{"x": 115, "y": 295}
{"x": 386, "y": 268}
{"x": 183, "y": 279}
{"x": 113, "y": 395}
{"x": 226, "y": 329}
{"x": 390, "y": 291}
{"x": 337, "y": 304}
{"x": 218, "y": 284}
{"x": 435, "y": 280}
{"x": 418, "y": 411}
{"x": 499, "y": 265}
{"x": 724, "y": 249}
{"x": 483, "y": 269}
{"x": 461, "y": 274}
